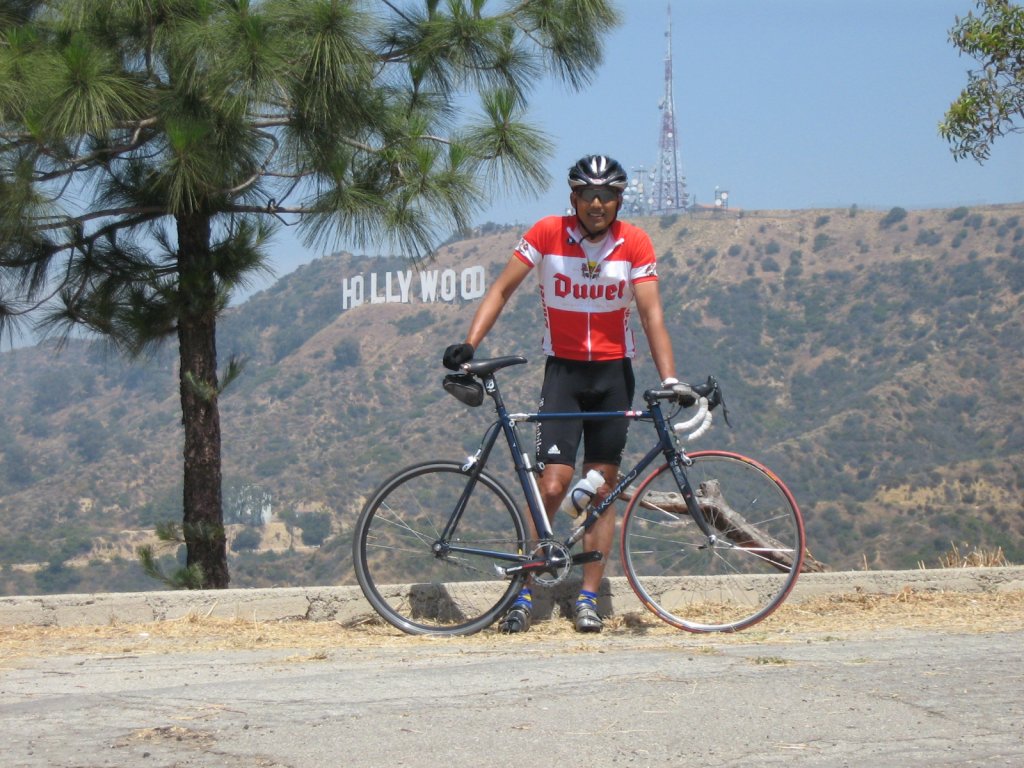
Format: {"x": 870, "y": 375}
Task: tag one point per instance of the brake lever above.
{"x": 711, "y": 390}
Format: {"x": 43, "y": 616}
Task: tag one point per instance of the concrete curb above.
{"x": 346, "y": 604}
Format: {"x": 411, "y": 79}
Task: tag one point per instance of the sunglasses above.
{"x": 604, "y": 194}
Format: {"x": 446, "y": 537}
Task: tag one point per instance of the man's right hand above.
{"x": 456, "y": 355}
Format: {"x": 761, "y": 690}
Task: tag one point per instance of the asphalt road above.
{"x": 899, "y": 698}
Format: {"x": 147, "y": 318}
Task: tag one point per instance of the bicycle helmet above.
{"x": 597, "y": 171}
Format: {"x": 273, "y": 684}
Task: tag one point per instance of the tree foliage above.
{"x": 150, "y": 150}
{"x": 316, "y": 526}
{"x": 340, "y": 117}
{"x": 992, "y": 103}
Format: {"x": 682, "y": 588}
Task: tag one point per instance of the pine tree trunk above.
{"x": 203, "y": 524}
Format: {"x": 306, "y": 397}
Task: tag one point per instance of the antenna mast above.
{"x": 669, "y": 183}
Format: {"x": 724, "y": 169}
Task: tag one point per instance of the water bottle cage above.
{"x": 581, "y": 499}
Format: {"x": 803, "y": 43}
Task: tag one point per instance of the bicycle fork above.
{"x": 692, "y": 505}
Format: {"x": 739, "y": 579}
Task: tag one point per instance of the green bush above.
{"x": 248, "y": 539}
{"x": 316, "y": 526}
{"x": 407, "y": 326}
{"x": 894, "y": 216}
{"x": 346, "y": 355}
{"x": 56, "y": 578}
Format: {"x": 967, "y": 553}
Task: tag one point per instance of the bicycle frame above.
{"x": 526, "y": 471}
{"x": 711, "y": 541}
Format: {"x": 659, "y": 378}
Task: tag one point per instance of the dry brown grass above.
{"x": 975, "y": 558}
{"x": 824, "y": 618}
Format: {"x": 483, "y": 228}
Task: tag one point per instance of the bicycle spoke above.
{"x": 420, "y": 590}
{"x": 726, "y": 582}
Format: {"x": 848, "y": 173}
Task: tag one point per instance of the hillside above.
{"x": 871, "y": 358}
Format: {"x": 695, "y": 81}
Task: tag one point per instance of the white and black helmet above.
{"x": 597, "y": 171}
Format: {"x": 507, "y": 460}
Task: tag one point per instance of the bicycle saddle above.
{"x": 484, "y": 367}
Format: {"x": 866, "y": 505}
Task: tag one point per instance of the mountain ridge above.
{"x": 870, "y": 358}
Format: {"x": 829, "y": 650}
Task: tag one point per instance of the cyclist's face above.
{"x": 596, "y": 206}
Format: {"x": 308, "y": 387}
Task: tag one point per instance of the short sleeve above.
{"x": 644, "y": 263}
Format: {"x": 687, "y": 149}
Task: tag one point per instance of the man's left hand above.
{"x": 685, "y": 395}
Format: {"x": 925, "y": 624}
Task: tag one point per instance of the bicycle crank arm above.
{"x": 549, "y": 563}
{"x": 530, "y": 565}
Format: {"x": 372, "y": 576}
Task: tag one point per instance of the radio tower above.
{"x": 669, "y": 183}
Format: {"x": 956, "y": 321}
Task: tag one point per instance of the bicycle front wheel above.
{"x": 726, "y": 581}
{"x": 421, "y": 582}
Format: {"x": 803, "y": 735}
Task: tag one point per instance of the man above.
{"x": 591, "y": 268}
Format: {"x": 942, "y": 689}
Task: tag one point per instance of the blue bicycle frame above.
{"x": 526, "y": 471}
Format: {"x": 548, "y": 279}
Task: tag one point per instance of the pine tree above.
{"x": 150, "y": 150}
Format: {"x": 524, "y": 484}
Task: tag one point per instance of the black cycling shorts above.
{"x": 578, "y": 386}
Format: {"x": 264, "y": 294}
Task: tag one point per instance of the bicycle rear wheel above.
{"x": 407, "y": 572}
{"x": 721, "y": 583}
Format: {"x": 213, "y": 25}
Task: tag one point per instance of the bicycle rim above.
{"x": 732, "y": 580}
{"x": 448, "y": 593}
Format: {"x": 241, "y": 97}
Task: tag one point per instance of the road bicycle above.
{"x": 710, "y": 541}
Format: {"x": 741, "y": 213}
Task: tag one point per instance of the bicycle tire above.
{"x": 416, "y": 590}
{"x": 725, "y": 585}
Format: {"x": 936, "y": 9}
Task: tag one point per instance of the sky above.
{"x": 786, "y": 104}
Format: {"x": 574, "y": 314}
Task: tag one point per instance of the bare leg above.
{"x": 554, "y": 484}
{"x": 602, "y": 535}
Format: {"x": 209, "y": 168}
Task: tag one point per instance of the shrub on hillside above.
{"x": 894, "y": 216}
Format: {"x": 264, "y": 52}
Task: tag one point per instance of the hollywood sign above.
{"x": 402, "y": 287}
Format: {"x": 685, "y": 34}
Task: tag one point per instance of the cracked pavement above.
{"x": 886, "y": 697}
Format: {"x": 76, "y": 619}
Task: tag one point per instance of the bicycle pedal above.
{"x": 586, "y": 557}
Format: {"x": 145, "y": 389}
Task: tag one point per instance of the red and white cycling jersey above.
{"x": 587, "y": 295}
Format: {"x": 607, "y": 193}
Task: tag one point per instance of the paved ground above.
{"x": 870, "y": 693}
{"x": 899, "y": 699}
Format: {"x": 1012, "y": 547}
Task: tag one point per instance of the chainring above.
{"x": 561, "y": 563}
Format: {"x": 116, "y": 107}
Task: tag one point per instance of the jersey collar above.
{"x": 577, "y": 235}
